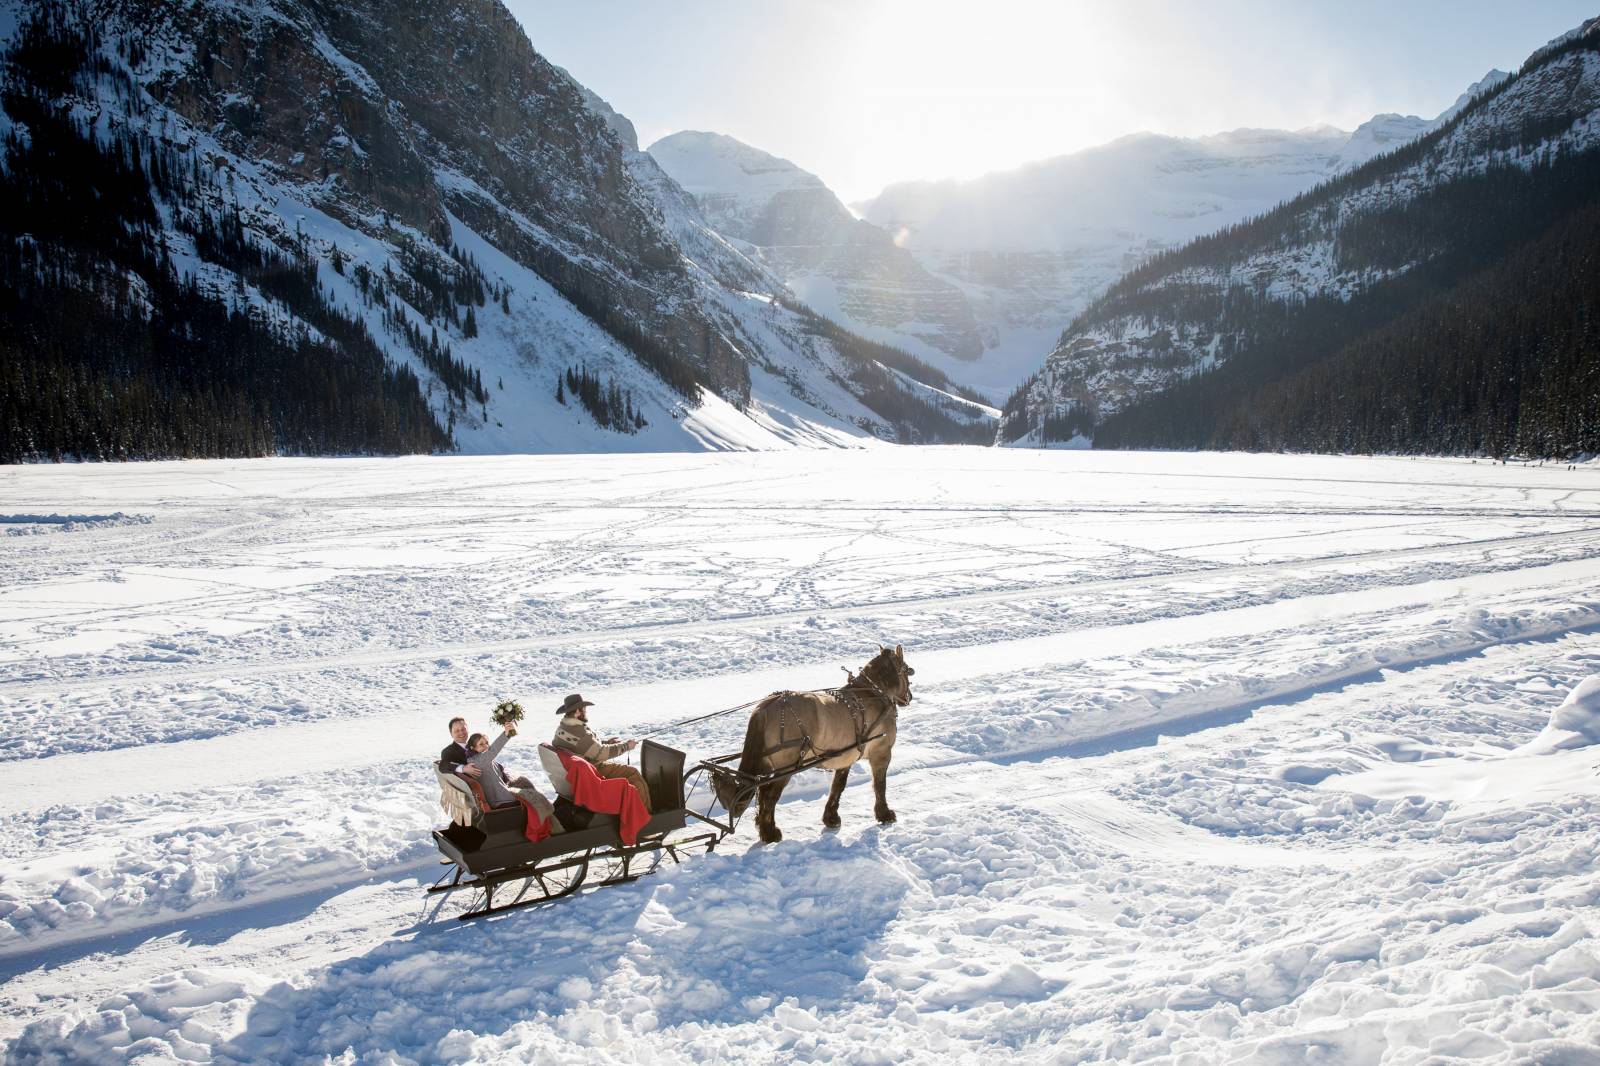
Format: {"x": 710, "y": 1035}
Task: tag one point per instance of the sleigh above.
{"x": 489, "y": 855}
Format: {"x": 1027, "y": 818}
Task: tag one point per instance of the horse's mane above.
{"x": 881, "y": 669}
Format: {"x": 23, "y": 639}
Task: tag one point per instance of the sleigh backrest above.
{"x": 551, "y": 761}
{"x": 662, "y": 769}
{"x": 461, "y": 797}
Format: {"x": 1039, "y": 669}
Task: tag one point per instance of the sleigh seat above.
{"x": 482, "y": 838}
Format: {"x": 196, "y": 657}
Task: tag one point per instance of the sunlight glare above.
{"x": 963, "y": 89}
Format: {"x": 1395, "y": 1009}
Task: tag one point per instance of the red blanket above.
{"x": 606, "y": 795}
{"x": 537, "y": 828}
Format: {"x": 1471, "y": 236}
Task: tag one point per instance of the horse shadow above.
{"x": 723, "y": 938}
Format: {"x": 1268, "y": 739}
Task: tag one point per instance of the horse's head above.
{"x": 889, "y": 672}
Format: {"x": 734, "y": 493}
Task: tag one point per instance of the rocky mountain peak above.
{"x": 847, "y": 269}
{"x": 414, "y": 184}
{"x": 735, "y": 183}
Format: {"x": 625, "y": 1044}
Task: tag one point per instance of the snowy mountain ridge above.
{"x": 487, "y": 222}
{"x": 732, "y": 182}
{"x": 979, "y": 276}
{"x": 845, "y": 268}
{"x": 1032, "y": 247}
{"x": 1132, "y": 342}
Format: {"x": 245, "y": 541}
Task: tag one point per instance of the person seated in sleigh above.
{"x": 475, "y": 759}
{"x": 581, "y": 771}
{"x": 575, "y": 735}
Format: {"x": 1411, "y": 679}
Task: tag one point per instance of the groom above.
{"x": 453, "y": 759}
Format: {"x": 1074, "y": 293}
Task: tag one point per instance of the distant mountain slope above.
{"x": 375, "y": 226}
{"x": 1505, "y": 362}
{"x": 1032, "y": 247}
{"x": 1217, "y": 343}
{"x": 835, "y": 262}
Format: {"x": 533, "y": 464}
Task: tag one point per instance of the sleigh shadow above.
{"x": 721, "y": 939}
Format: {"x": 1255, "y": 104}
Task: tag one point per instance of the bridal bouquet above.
{"x": 506, "y": 712}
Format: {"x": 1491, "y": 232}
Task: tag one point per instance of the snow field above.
{"x": 1366, "y": 834}
{"x": 186, "y": 860}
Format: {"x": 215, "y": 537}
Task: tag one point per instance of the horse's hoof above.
{"x": 830, "y": 821}
{"x": 771, "y": 836}
{"x": 886, "y": 816}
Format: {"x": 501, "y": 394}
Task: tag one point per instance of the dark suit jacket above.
{"x": 455, "y": 755}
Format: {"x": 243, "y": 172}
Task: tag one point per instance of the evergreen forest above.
{"x": 1491, "y": 346}
{"x": 107, "y": 353}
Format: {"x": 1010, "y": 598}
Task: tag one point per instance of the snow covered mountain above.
{"x": 978, "y": 277}
{"x": 845, "y": 268}
{"x": 1386, "y": 132}
{"x": 1032, "y": 247}
{"x": 429, "y": 236}
{"x": 1251, "y": 305}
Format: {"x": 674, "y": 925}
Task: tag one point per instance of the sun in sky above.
{"x": 867, "y": 93}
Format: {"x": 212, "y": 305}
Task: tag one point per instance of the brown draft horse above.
{"x": 855, "y": 721}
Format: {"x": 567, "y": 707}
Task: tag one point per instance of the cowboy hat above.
{"x": 572, "y": 703}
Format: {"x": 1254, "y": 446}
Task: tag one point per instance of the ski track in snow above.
{"x": 1150, "y": 691}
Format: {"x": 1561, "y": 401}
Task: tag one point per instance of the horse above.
{"x": 848, "y": 723}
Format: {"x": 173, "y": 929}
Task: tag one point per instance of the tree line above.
{"x": 1507, "y": 363}
{"x": 1422, "y": 247}
{"x": 1488, "y": 347}
{"x": 608, "y": 403}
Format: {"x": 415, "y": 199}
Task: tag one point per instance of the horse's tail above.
{"x": 729, "y": 790}
{"x": 755, "y": 736}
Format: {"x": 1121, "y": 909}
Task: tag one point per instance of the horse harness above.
{"x": 858, "y": 715}
{"x": 864, "y": 733}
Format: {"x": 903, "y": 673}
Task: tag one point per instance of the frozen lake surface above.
{"x": 1213, "y": 758}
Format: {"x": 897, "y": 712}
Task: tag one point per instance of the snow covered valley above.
{"x": 1213, "y": 758}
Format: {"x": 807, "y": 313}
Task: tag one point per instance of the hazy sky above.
{"x": 873, "y": 91}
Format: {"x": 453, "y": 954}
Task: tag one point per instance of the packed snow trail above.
{"x": 402, "y": 732}
{"x": 1213, "y": 758}
{"x": 1585, "y": 541}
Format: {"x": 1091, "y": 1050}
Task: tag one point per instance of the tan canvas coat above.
{"x": 574, "y": 735}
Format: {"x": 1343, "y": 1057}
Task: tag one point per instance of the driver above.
{"x": 574, "y": 735}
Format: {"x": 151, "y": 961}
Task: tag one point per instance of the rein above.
{"x": 701, "y": 718}
{"x": 863, "y": 735}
